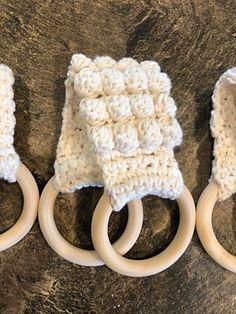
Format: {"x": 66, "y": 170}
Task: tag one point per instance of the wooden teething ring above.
{"x": 205, "y": 230}
{"x": 27, "y": 218}
{"x": 150, "y": 266}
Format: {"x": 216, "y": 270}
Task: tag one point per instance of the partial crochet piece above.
{"x": 119, "y": 130}
{"x": 9, "y": 160}
{"x": 75, "y": 165}
{"x": 223, "y": 128}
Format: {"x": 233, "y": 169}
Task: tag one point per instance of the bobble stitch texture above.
{"x": 79, "y": 61}
{"x": 94, "y": 109}
{"x": 104, "y": 62}
{"x": 125, "y": 63}
{"x": 102, "y": 137}
{"x": 142, "y": 105}
{"x": 113, "y": 82}
{"x": 158, "y": 82}
{"x": 9, "y": 160}
{"x": 88, "y": 83}
{"x": 164, "y": 106}
{"x": 119, "y": 107}
{"x": 135, "y": 79}
{"x": 126, "y": 137}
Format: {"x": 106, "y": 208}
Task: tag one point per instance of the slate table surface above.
{"x": 194, "y": 42}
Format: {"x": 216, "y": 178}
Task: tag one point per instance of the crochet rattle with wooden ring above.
{"x": 11, "y": 169}
{"x": 76, "y": 167}
{"x": 131, "y": 129}
{"x": 223, "y": 180}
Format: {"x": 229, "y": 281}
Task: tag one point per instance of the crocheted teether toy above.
{"x": 132, "y": 130}
{"x": 75, "y": 168}
{"x": 11, "y": 169}
{"x": 223, "y": 180}
{"x": 119, "y": 130}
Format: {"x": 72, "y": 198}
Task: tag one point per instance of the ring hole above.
{"x": 73, "y": 216}
{"x": 161, "y": 221}
{"x": 224, "y": 223}
{"x": 11, "y": 205}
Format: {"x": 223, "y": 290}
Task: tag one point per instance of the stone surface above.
{"x": 195, "y": 42}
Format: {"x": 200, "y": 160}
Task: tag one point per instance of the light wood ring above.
{"x": 72, "y": 253}
{"x": 150, "y": 266}
{"x": 205, "y": 230}
{"x": 29, "y": 213}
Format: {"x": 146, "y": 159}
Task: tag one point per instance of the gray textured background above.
{"x": 194, "y": 42}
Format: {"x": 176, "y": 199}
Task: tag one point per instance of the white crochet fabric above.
{"x": 223, "y": 127}
{"x": 9, "y": 160}
{"x": 75, "y": 165}
{"x": 119, "y": 130}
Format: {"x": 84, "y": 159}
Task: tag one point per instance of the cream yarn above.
{"x": 119, "y": 130}
{"x": 223, "y": 127}
{"x": 9, "y": 159}
{"x": 75, "y": 165}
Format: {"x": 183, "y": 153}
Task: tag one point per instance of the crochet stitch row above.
{"x": 105, "y": 76}
{"x": 146, "y": 122}
{"x": 9, "y": 160}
